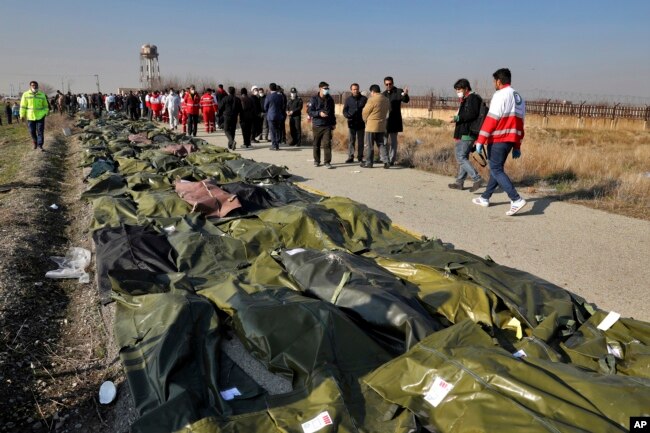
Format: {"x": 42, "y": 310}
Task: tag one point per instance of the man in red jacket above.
{"x": 192, "y": 105}
{"x": 156, "y": 105}
{"x": 502, "y": 132}
{"x": 208, "y": 107}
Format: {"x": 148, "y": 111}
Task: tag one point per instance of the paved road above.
{"x": 603, "y": 257}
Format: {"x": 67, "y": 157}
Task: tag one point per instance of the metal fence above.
{"x": 541, "y": 107}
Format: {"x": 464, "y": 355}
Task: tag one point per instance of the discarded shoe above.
{"x": 455, "y": 185}
{"x": 516, "y": 206}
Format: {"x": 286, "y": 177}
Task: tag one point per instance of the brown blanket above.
{"x": 206, "y": 197}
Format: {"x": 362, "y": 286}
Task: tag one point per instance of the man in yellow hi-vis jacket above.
{"x": 34, "y": 106}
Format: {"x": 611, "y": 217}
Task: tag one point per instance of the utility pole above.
{"x": 97, "y": 81}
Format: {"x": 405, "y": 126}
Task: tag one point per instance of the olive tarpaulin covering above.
{"x": 373, "y": 329}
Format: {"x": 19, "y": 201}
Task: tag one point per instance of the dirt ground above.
{"x": 55, "y": 340}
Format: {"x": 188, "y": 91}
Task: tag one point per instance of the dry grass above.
{"x": 608, "y": 170}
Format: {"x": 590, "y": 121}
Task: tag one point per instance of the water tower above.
{"x": 149, "y": 69}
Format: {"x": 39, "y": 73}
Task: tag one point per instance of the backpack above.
{"x": 475, "y": 126}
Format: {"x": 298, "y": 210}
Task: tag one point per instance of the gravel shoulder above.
{"x": 55, "y": 339}
{"x": 599, "y": 256}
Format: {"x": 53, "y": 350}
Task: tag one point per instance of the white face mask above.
{"x": 326, "y": 92}
{"x": 293, "y": 96}
{"x": 460, "y": 94}
{"x": 261, "y": 93}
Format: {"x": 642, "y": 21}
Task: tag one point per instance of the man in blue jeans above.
{"x": 502, "y": 132}
{"x": 34, "y": 106}
{"x": 468, "y": 113}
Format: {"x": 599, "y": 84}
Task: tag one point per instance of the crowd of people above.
{"x": 12, "y": 112}
{"x": 373, "y": 119}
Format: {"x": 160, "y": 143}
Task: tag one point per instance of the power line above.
{"x": 45, "y": 75}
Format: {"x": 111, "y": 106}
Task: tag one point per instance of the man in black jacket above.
{"x": 321, "y": 110}
{"x": 221, "y": 93}
{"x": 357, "y": 128}
{"x": 229, "y": 108}
{"x": 468, "y": 112}
{"x": 247, "y": 117}
{"x": 294, "y": 113}
{"x": 133, "y": 106}
{"x": 396, "y": 96}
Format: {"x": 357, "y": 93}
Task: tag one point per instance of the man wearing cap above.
{"x": 34, "y": 106}
{"x": 294, "y": 112}
{"x": 321, "y": 110}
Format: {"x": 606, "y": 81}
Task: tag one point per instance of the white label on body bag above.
{"x": 294, "y": 251}
{"x": 608, "y": 321}
{"x": 229, "y": 394}
{"x": 438, "y": 391}
{"x": 313, "y": 425}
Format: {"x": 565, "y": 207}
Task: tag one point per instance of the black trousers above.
{"x": 134, "y": 113}
{"x": 322, "y": 138}
{"x": 295, "y": 129}
{"x": 246, "y": 126}
{"x": 229, "y": 127}
{"x": 192, "y": 124}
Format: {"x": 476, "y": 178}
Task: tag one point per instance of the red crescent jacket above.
{"x": 504, "y": 122}
{"x": 156, "y": 102}
{"x": 207, "y": 103}
{"x": 192, "y": 103}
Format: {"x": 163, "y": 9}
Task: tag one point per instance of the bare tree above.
{"x": 46, "y": 88}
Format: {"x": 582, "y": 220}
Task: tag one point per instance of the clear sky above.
{"x": 567, "y": 49}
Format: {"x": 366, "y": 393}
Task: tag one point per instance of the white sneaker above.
{"x": 516, "y": 206}
{"x": 481, "y": 201}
